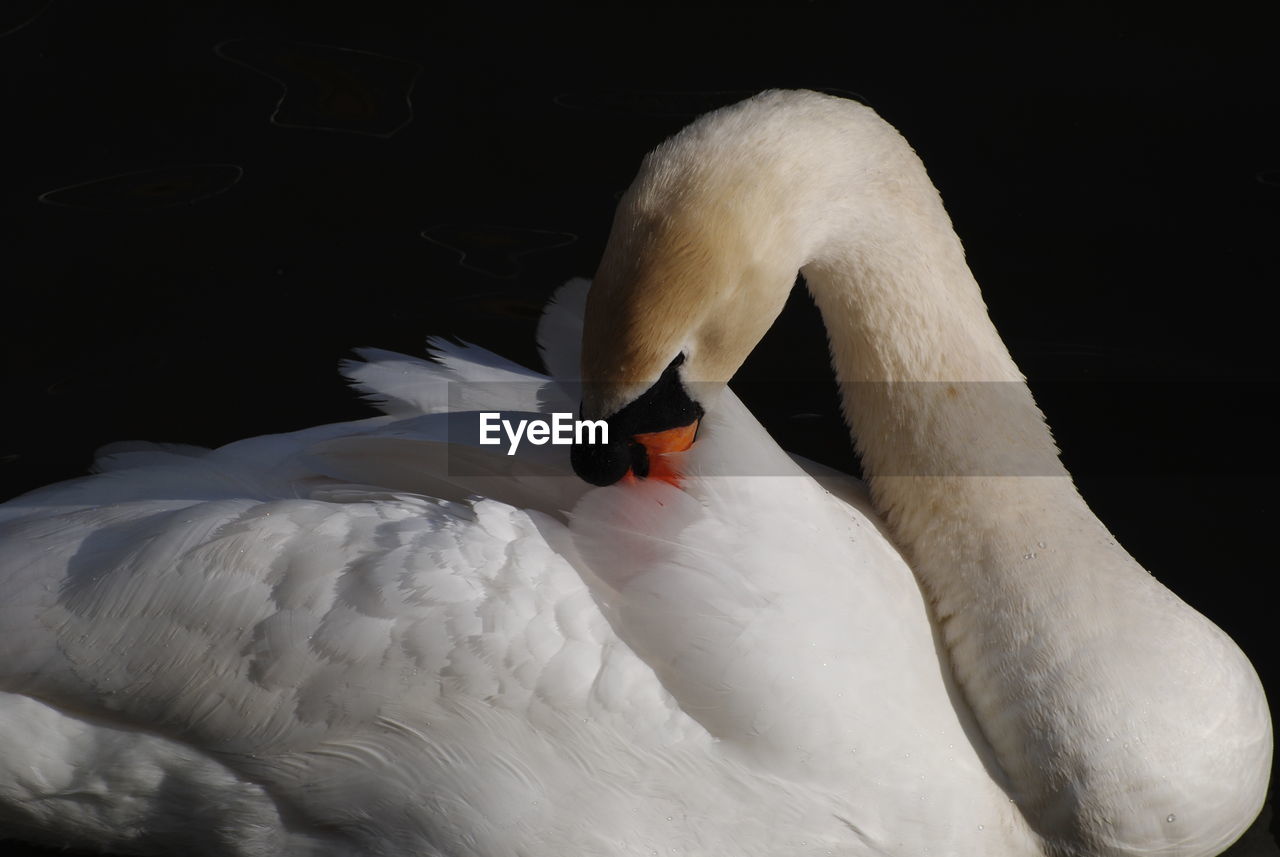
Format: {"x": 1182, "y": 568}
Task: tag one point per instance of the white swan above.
{"x": 326, "y": 642}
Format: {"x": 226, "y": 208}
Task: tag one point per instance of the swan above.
{"x": 385, "y": 637}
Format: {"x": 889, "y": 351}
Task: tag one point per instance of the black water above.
{"x": 207, "y": 204}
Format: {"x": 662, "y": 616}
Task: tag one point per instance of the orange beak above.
{"x": 659, "y": 444}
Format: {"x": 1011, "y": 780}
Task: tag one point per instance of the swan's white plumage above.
{"x": 327, "y": 642}
{"x": 300, "y": 651}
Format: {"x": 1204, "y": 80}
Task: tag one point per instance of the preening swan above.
{"x": 383, "y": 637}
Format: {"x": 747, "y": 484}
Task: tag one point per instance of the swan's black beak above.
{"x": 663, "y": 420}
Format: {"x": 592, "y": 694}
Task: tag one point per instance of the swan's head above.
{"x": 696, "y": 269}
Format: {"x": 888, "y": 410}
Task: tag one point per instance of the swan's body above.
{"x": 327, "y": 643}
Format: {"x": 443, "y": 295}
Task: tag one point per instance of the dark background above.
{"x": 206, "y": 205}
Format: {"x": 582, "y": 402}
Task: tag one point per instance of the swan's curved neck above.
{"x": 929, "y": 388}
{"x": 1056, "y": 635}
{"x": 928, "y": 385}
